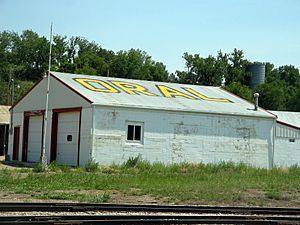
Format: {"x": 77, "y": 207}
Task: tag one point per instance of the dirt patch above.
{"x": 115, "y": 197}
{"x": 249, "y": 198}
{"x": 13, "y": 197}
{"x": 135, "y": 196}
{"x": 261, "y": 198}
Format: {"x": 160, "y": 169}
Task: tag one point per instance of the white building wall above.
{"x": 287, "y": 146}
{"x": 85, "y": 153}
{"x": 59, "y": 97}
{"x": 171, "y": 137}
{"x": 18, "y": 122}
{"x": 287, "y": 132}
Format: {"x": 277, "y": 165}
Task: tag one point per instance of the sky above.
{"x": 266, "y": 30}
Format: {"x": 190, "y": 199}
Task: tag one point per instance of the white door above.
{"x": 34, "y": 138}
{"x": 67, "y": 138}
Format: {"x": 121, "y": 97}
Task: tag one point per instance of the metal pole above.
{"x": 13, "y": 92}
{"x": 43, "y": 155}
{"x": 256, "y": 95}
{"x": 12, "y": 83}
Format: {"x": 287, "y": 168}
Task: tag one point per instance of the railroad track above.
{"x": 147, "y": 214}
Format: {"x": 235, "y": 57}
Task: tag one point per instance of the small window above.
{"x": 69, "y": 137}
{"x": 130, "y": 132}
{"x": 135, "y": 132}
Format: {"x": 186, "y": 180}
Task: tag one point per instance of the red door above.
{"x": 16, "y": 143}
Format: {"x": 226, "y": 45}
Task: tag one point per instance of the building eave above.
{"x": 183, "y": 110}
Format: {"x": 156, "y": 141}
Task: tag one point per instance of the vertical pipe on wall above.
{"x": 256, "y": 95}
{"x": 274, "y": 137}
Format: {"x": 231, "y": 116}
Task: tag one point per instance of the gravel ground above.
{"x": 94, "y": 213}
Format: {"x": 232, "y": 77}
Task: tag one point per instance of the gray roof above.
{"x": 108, "y": 91}
{"x": 290, "y": 118}
{"x": 4, "y": 114}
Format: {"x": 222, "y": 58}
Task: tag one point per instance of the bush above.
{"x": 78, "y": 169}
{"x": 39, "y": 167}
{"x": 91, "y": 166}
{"x": 65, "y": 168}
{"x": 54, "y": 166}
{"x": 98, "y": 198}
{"x": 273, "y": 194}
{"x": 133, "y": 161}
{"x": 105, "y": 197}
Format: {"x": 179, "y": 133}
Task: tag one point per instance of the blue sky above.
{"x": 266, "y": 30}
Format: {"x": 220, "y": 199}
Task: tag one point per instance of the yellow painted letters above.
{"x": 132, "y": 89}
{"x": 192, "y": 91}
{"x": 135, "y": 89}
{"x": 171, "y": 93}
{"x": 96, "y": 85}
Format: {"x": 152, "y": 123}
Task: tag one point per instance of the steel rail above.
{"x": 144, "y": 217}
{"x": 79, "y": 207}
{"x": 153, "y": 222}
{"x": 149, "y": 219}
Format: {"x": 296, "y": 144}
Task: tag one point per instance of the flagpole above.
{"x": 44, "y": 160}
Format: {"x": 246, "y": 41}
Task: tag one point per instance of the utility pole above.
{"x": 12, "y": 99}
{"x": 43, "y": 155}
{"x": 12, "y": 90}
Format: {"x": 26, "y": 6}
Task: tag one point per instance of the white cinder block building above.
{"x": 111, "y": 119}
{"x": 287, "y": 141}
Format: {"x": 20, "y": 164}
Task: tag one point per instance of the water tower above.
{"x": 258, "y": 72}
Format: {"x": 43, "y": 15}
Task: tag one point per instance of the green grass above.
{"x": 274, "y": 194}
{"x": 224, "y": 183}
{"x": 39, "y": 167}
{"x": 94, "y": 198}
{"x": 91, "y": 166}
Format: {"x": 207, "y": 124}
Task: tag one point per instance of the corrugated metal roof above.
{"x": 4, "y": 114}
{"x": 158, "y": 95}
{"x": 291, "y": 118}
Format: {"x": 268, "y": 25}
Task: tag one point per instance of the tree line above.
{"x": 24, "y": 57}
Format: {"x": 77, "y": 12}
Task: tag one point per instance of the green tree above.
{"x": 273, "y": 95}
{"x": 294, "y": 103}
{"x": 236, "y": 71}
{"x": 159, "y": 72}
{"x": 31, "y": 55}
{"x": 289, "y": 74}
{"x": 137, "y": 64}
{"x": 59, "y": 53}
{"x": 4, "y": 93}
{"x": 25, "y": 58}
{"x": 204, "y": 71}
{"x": 287, "y": 80}
{"x": 271, "y": 73}
{"x": 20, "y": 88}
{"x": 240, "y": 90}
{"x": 7, "y": 45}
